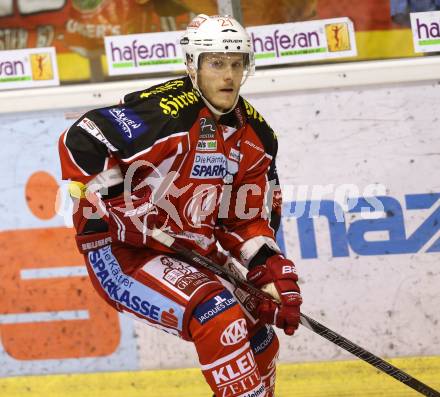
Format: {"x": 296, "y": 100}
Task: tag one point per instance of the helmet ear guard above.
{"x": 189, "y": 62}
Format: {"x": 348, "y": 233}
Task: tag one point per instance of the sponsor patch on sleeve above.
{"x": 89, "y": 126}
{"x": 262, "y": 339}
{"x": 126, "y": 122}
{"x": 214, "y": 306}
{"x": 235, "y": 155}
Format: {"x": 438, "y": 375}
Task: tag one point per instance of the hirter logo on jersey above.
{"x": 126, "y": 122}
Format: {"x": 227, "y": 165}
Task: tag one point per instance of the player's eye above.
{"x": 237, "y": 65}
{"x": 217, "y": 64}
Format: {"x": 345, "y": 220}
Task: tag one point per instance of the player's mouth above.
{"x": 227, "y": 90}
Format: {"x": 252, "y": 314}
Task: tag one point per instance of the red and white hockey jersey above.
{"x": 212, "y": 176}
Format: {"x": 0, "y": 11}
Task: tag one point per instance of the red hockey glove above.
{"x": 278, "y": 277}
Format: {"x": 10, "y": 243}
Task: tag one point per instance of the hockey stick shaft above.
{"x": 368, "y": 357}
{"x": 306, "y": 321}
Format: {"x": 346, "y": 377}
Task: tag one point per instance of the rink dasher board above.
{"x": 355, "y": 135}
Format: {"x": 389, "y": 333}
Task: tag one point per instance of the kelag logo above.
{"x": 345, "y": 234}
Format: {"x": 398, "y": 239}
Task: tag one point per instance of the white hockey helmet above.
{"x": 220, "y": 34}
{"x": 216, "y": 34}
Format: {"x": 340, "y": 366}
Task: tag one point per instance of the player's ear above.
{"x": 190, "y": 67}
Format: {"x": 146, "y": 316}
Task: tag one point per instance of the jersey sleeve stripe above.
{"x": 256, "y": 163}
{"x": 159, "y": 141}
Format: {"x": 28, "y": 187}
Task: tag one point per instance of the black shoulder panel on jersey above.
{"x": 166, "y": 108}
{"x": 149, "y": 115}
{"x": 86, "y": 145}
{"x": 261, "y": 128}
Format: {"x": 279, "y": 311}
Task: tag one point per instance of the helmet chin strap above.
{"x": 208, "y": 104}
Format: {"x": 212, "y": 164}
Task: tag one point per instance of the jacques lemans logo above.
{"x": 214, "y": 306}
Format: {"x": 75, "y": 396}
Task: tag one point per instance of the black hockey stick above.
{"x": 306, "y": 321}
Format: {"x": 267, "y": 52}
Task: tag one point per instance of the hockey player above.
{"x": 193, "y": 158}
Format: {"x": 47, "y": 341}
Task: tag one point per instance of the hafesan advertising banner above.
{"x": 144, "y": 53}
{"x": 425, "y": 28}
{"x": 76, "y": 28}
{"x": 272, "y": 44}
{"x": 31, "y": 67}
{"x": 303, "y": 41}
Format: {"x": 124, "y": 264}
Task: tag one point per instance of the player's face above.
{"x": 219, "y": 78}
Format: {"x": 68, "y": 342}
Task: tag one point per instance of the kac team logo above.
{"x": 234, "y": 333}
